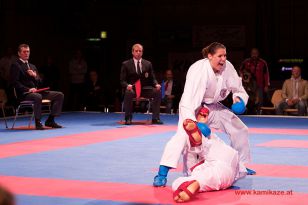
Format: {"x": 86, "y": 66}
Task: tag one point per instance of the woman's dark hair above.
{"x": 211, "y": 49}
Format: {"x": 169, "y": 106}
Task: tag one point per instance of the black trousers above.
{"x": 55, "y": 97}
{"x": 146, "y": 93}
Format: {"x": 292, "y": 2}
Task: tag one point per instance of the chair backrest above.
{"x": 3, "y": 96}
{"x": 277, "y": 97}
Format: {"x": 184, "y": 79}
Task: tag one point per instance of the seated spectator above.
{"x": 294, "y": 93}
{"x": 250, "y": 85}
{"x": 172, "y": 92}
{"x": 94, "y": 92}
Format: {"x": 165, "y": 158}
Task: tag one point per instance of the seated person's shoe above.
{"x": 250, "y": 171}
{"x": 157, "y": 122}
{"x": 52, "y": 124}
{"x": 38, "y": 125}
{"x": 128, "y": 122}
{"x": 159, "y": 181}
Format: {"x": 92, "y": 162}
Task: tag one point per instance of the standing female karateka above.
{"x": 209, "y": 81}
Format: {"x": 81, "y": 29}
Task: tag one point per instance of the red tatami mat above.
{"x": 278, "y": 131}
{"x": 286, "y": 171}
{"x": 136, "y": 193}
{"x": 285, "y": 143}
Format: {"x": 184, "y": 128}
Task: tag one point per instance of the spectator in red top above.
{"x": 259, "y": 71}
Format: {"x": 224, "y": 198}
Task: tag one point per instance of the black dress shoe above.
{"x": 38, "y": 125}
{"x": 157, "y": 122}
{"x": 128, "y": 122}
{"x": 52, "y": 124}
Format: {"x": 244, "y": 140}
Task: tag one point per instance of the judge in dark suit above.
{"x": 25, "y": 80}
{"x": 136, "y": 69}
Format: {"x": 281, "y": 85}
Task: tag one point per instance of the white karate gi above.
{"x": 219, "y": 170}
{"x": 203, "y": 85}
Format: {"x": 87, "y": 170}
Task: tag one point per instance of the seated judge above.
{"x": 138, "y": 80}
{"x": 25, "y": 79}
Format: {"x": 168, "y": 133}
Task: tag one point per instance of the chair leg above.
{"x": 16, "y": 113}
{"x": 149, "y": 107}
{"x": 32, "y": 116}
{"x": 4, "y": 117}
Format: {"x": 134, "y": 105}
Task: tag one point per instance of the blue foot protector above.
{"x": 160, "y": 180}
{"x": 250, "y": 171}
{"x": 239, "y": 107}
